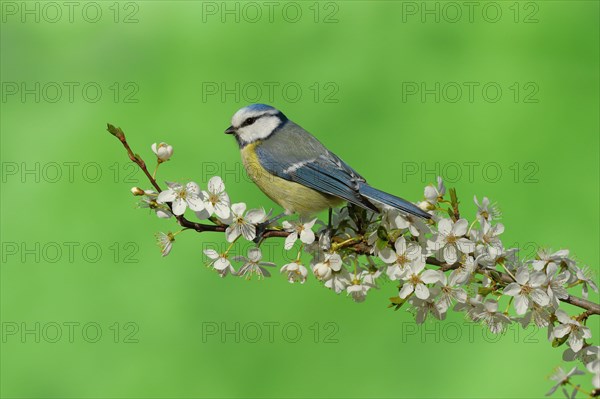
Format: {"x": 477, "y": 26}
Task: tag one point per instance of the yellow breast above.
{"x": 293, "y": 197}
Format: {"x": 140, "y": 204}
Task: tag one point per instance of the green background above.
{"x": 168, "y": 54}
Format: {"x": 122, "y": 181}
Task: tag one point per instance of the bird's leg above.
{"x": 274, "y": 219}
{"x": 329, "y": 230}
{"x": 262, "y": 227}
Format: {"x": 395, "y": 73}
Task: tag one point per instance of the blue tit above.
{"x": 296, "y": 171}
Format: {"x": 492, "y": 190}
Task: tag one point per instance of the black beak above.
{"x": 230, "y": 130}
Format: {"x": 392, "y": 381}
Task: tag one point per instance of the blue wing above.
{"x": 295, "y": 155}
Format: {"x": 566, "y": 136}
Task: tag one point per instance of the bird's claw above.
{"x": 261, "y": 228}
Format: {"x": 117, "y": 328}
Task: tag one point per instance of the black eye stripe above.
{"x": 249, "y": 121}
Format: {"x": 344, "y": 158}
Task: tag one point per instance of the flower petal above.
{"x": 254, "y": 255}
{"x": 450, "y": 254}
{"x": 215, "y": 185}
{"x": 400, "y": 245}
{"x": 406, "y": 290}
{"x": 521, "y": 304}
{"x": 537, "y": 278}
{"x": 221, "y": 209}
{"x": 307, "y": 236}
{"x": 166, "y": 196}
{"x": 491, "y": 306}
{"x": 192, "y": 188}
{"x": 522, "y": 275}
{"x": 232, "y": 232}
{"x": 221, "y": 264}
{"x": 460, "y": 295}
{"x": 465, "y": 245}
{"x": 430, "y": 277}
{"x": 563, "y": 317}
{"x": 421, "y": 291}
{"x": 417, "y": 265}
{"x": 290, "y": 240}
{"x": 248, "y": 231}
{"x": 211, "y": 253}
{"x": 512, "y": 289}
{"x": 239, "y": 208}
{"x": 445, "y": 226}
{"x": 335, "y": 262}
{"x": 575, "y": 342}
{"x": 179, "y": 206}
{"x": 540, "y": 297}
{"x": 561, "y": 330}
{"x": 195, "y": 203}
{"x": 255, "y": 215}
{"x": 387, "y": 255}
{"x": 460, "y": 227}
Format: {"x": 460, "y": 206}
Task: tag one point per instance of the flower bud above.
{"x": 163, "y": 151}
{"x": 137, "y": 191}
{"x": 426, "y": 206}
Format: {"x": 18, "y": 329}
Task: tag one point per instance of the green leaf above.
{"x": 396, "y": 302}
{"x": 556, "y": 342}
{"x": 453, "y": 197}
{"x": 382, "y": 233}
{"x": 496, "y": 276}
{"x": 115, "y": 131}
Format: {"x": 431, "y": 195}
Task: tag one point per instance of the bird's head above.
{"x": 255, "y": 122}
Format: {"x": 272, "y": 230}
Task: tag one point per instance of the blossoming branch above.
{"x": 446, "y": 263}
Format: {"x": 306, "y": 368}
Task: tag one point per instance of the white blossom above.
{"x": 486, "y": 211}
{"x": 545, "y": 258}
{"x": 162, "y": 211}
{"x": 584, "y": 275}
{"x": 586, "y": 355}
{"x": 465, "y": 270}
{"x": 361, "y": 284}
{"x": 220, "y": 262}
{"x": 399, "y": 260}
{"x": 433, "y": 194}
{"x": 244, "y": 225}
{"x": 163, "y": 151}
{"x": 295, "y": 271}
{"x": 489, "y": 234}
{"x": 556, "y": 283}
{"x": 424, "y": 307}
{"x": 216, "y": 199}
{"x": 299, "y": 229}
{"x": 449, "y": 292}
{"x": 527, "y": 288}
{"x": 181, "y": 197}
{"x": 253, "y": 265}
{"x": 538, "y": 314}
{"x": 561, "y": 378}
{"x": 165, "y": 242}
{"x": 593, "y": 364}
{"x": 487, "y": 312}
{"x": 324, "y": 270}
{"x": 415, "y": 280}
{"x": 396, "y": 220}
{"x": 450, "y": 242}
{"x": 574, "y": 329}
{"x": 339, "y": 281}
{"x": 470, "y": 307}
{"x": 488, "y": 256}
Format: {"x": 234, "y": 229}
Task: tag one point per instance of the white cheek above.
{"x": 259, "y": 130}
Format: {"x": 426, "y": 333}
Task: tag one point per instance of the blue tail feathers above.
{"x": 391, "y": 200}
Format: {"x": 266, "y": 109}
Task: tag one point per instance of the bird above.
{"x": 297, "y": 171}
